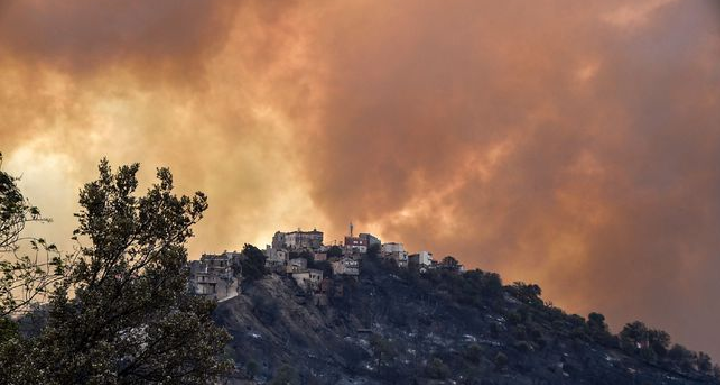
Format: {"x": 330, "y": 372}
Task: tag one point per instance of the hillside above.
{"x": 395, "y": 326}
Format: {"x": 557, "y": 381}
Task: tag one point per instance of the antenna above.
{"x": 351, "y": 230}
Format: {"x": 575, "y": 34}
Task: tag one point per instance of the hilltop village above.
{"x": 369, "y": 312}
{"x": 303, "y": 256}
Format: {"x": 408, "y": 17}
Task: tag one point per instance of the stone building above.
{"x": 304, "y": 239}
{"x": 277, "y": 257}
{"x": 310, "y": 279}
{"x": 396, "y": 252}
{"x": 346, "y": 266}
{"x": 216, "y": 277}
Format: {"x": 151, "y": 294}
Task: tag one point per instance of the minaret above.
{"x": 351, "y": 230}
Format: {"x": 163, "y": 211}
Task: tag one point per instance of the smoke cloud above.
{"x": 576, "y": 145}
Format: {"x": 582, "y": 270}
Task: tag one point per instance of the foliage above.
{"x": 253, "y": 263}
{"x": 597, "y": 328}
{"x": 122, "y": 314}
{"x": 683, "y": 358}
{"x": 25, "y": 274}
{"x": 325, "y": 266}
{"x": 527, "y": 293}
{"x": 335, "y": 252}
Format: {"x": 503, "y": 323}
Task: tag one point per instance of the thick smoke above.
{"x": 573, "y": 144}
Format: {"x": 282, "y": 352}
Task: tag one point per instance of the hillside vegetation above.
{"x": 395, "y": 326}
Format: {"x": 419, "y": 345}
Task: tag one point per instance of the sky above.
{"x": 571, "y": 144}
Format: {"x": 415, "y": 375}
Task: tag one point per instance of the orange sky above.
{"x": 573, "y": 144}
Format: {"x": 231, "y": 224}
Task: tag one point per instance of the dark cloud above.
{"x": 77, "y": 36}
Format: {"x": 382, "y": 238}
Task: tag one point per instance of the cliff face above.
{"x": 395, "y": 327}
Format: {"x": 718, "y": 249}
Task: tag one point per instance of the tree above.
{"x": 252, "y": 263}
{"x": 25, "y": 273}
{"x": 122, "y": 314}
{"x": 659, "y": 342}
{"x": 598, "y": 329}
{"x": 527, "y": 293}
{"x": 335, "y": 252}
{"x": 682, "y": 357}
{"x": 704, "y": 363}
{"x": 632, "y": 335}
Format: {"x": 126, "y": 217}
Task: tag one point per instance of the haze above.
{"x": 575, "y": 144}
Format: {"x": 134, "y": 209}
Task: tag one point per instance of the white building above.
{"x": 346, "y": 266}
{"x": 309, "y": 279}
{"x": 425, "y": 258}
{"x": 396, "y": 252}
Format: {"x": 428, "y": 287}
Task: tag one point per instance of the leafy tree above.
{"x": 598, "y": 329}
{"x": 122, "y": 314}
{"x": 25, "y": 274}
{"x": 335, "y": 252}
{"x": 473, "y": 353}
{"x": 659, "y": 341}
{"x": 253, "y": 263}
{"x": 325, "y": 266}
{"x": 632, "y": 335}
{"x": 596, "y": 323}
{"x": 704, "y": 363}
{"x": 528, "y": 294}
{"x": 682, "y": 357}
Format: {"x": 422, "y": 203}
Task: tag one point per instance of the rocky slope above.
{"x": 398, "y": 327}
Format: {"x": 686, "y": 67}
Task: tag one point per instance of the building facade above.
{"x": 304, "y": 239}
{"x": 346, "y": 266}
{"x": 370, "y": 240}
{"x": 214, "y": 276}
{"x": 309, "y": 279}
{"x": 356, "y": 243}
{"x": 425, "y": 258}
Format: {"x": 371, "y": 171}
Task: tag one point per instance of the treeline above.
{"x": 652, "y": 346}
